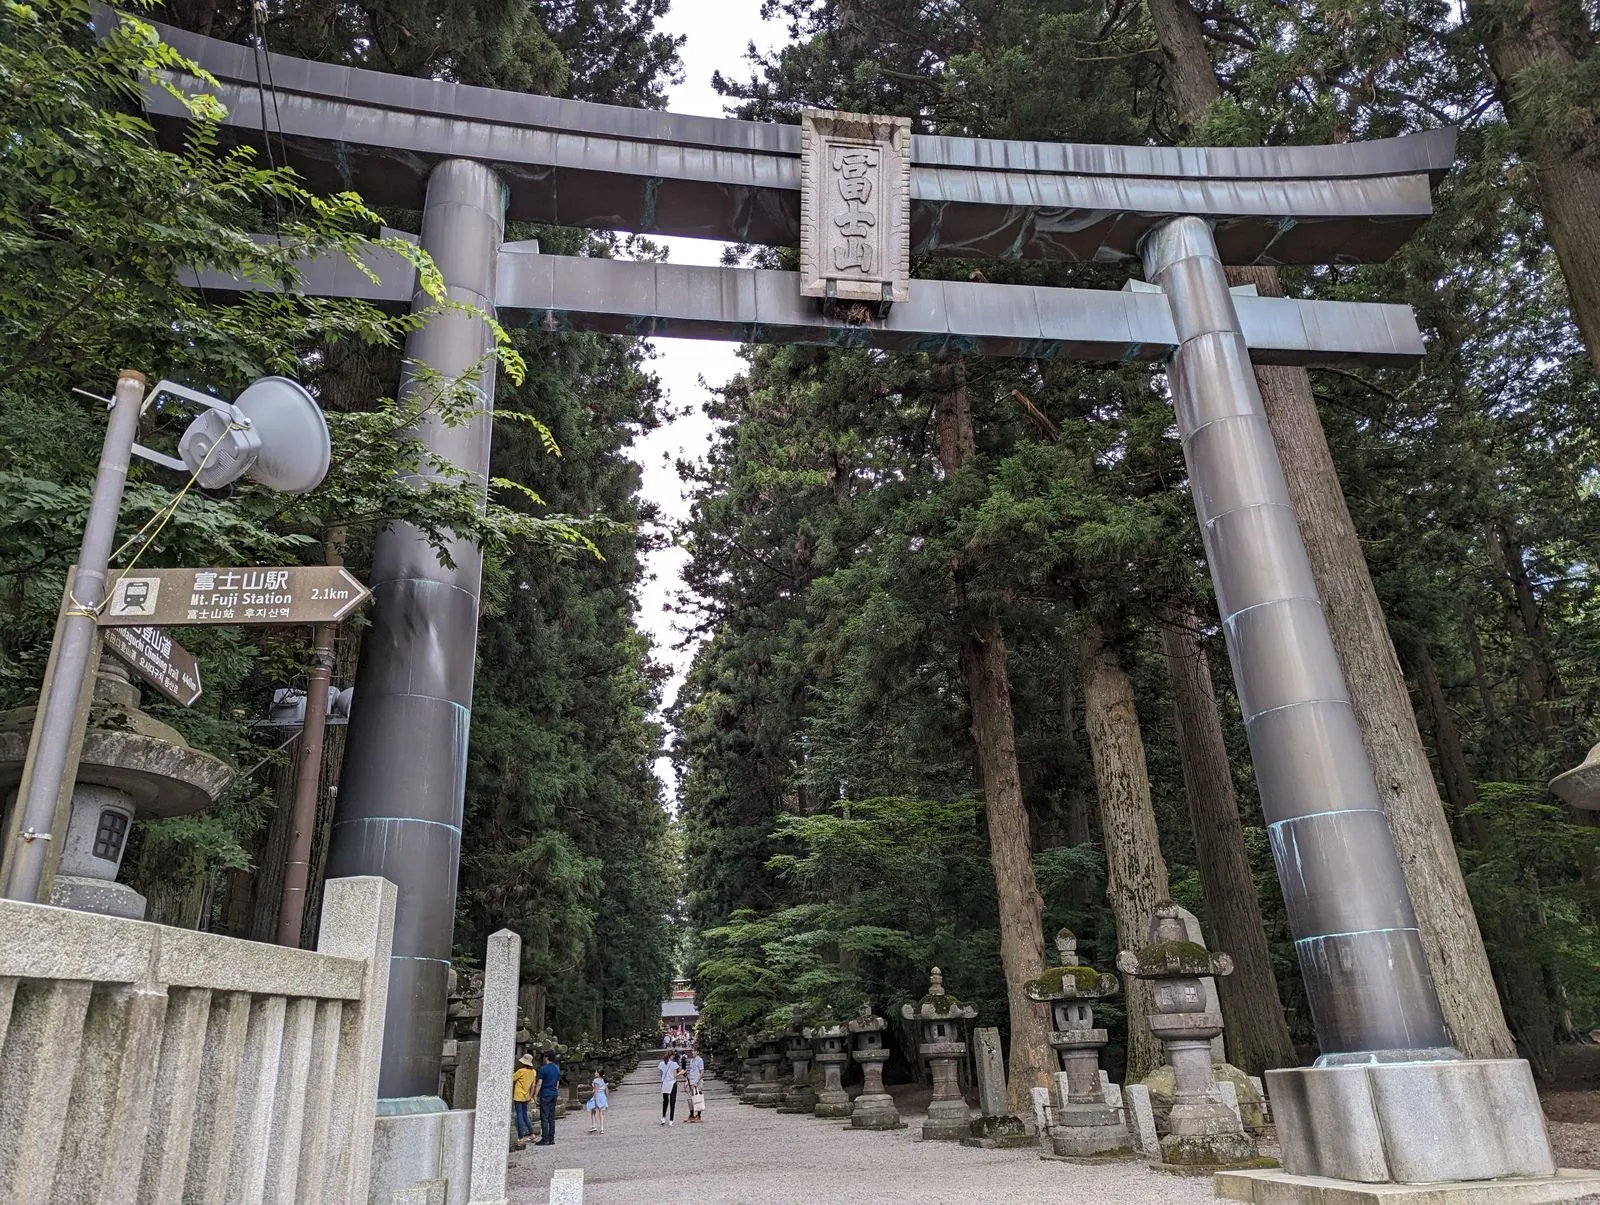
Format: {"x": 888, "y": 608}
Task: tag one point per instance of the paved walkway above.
{"x": 747, "y": 1156}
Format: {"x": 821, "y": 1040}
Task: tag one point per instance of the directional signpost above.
{"x": 159, "y": 659}
{"x": 287, "y": 595}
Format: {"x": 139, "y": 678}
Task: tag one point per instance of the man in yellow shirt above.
{"x": 522, "y": 1081}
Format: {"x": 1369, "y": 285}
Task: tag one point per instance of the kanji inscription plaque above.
{"x": 855, "y": 207}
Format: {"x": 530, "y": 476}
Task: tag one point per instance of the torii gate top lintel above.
{"x": 576, "y": 163}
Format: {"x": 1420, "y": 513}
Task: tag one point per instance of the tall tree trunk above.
{"x": 1378, "y": 692}
{"x": 1258, "y": 1036}
{"x": 1454, "y": 770}
{"x": 983, "y": 666}
{"x": 1136, "y": 873}
{"x": 1502, "y": 771}
{"x": 1534, "y": 46}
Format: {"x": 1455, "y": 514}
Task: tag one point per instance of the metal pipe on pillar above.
{"x": 1371, "y": 994}
{"x": 400, "y": 800}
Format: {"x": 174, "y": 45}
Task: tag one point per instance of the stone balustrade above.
{"x": 143, "y": 1063}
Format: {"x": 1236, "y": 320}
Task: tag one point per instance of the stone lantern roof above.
{"x": 1170, "y": 954}
{"x": 938, "y": 1005}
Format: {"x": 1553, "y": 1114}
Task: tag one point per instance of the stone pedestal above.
{"x": 1203, "y": 1133}
{"x": 874, "y": 1108}
{"x": 942, "y": 1018}
{"x": 831, "y": 1045}
{"x": 800, "y": 1096}
{"x": 1086, "y": 1126}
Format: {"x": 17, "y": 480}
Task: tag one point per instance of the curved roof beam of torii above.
{"x": 573, "y": 163}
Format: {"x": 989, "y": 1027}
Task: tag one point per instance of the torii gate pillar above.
{"x": 400, "y": 798}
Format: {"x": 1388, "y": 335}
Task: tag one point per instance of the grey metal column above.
{"x": 1355, "y": 931}
{"x": 400, "y": 794}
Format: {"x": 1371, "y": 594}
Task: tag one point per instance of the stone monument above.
{"x": 1204, "y": 1135}
{"x": 767, "y": 1090}
{"x": 132, "y": 767}
{"x": 799, "y": 1096}
{"x": 941, "y": 1018}
{"x": 1086, "y": 1125}
{"x": 996, "y": 1124}
{"x": 874, "y": 1108}
{"x": 831, "y": 1042}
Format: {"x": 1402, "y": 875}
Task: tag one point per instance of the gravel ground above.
{"x": 747, "y": 1156}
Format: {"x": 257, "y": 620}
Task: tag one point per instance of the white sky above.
{"x": 718, "y": 32}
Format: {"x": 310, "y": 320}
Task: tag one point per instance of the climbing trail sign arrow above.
{"x": 159, "y": 660}
{"x": 293, "y": 594}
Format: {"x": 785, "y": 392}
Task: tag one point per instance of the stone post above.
{"x": 800, "y": 1097}
{"x": 1202, "y": 1132}
{"x": 941, "y": 1018}
{"x": 497, "y": 1056}
{"x": 1086, "y": 1125}
{"x": 358, "y": 922}
{"x": 399, "y": 808}
{"x": 832, "y": 1052}
{"x": 996, "y": 1124}
{"x": 874, "y": 1108}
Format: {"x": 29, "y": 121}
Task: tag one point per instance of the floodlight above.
{"x": 274, "y": 434}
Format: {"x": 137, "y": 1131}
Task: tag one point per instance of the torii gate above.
{"x": 859, "y": 195}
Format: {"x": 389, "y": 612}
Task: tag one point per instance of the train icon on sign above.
{"x": 135, "y": 596}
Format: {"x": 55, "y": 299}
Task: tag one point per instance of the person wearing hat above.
{"x": 522, "y": 1081}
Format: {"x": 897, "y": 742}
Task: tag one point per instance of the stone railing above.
{"x": 142, "y": 1063}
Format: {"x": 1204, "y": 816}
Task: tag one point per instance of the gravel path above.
{"x": 747, "y": 1156}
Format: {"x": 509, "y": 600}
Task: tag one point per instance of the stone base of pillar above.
{"x": 1271, "y": 1187}
{"x": 767, "y": 1096}
{"x": 428, "y": 1152}
{"x": 798, "y": 1099}
{"x": 875, "y": 1111}
{"x": 1082, "y": 1131}
{"x": 948, "y": 1121}
{"x": 1412, "y": 1123}
{"x": 833, "y": 1104}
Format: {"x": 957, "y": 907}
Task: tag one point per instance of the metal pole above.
{"x": 59, "y": 708}
{"x": 1371, "y": 994}
{"x": 405, "y": 764}
{"x": 308, "y": 775}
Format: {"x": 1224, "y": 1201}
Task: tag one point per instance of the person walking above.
{"x": 697, "y": 1075}
{"x": 549, "y": 1078}
{"x": 522, "y": 1081}
{"x": 597, "y": 1104}
{"x": 669, "y": 1069}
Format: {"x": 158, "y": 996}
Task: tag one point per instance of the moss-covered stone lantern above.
{"x": 942, "y": 1019}
{"x": 831, "y": 1043}
{"x": 1085, "y": 1125}
{"x": 874, "y": 1108}
{"x": 1203, "y": 1132}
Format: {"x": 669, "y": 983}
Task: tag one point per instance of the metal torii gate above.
{"x": 471, "y": 158}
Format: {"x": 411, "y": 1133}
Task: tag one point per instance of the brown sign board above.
{"x": 159, "y": 660}
{"x": 290, "y": 594}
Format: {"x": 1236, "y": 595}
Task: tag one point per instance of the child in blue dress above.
{"x": 597, "y": 1105}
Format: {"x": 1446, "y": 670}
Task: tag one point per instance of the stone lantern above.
{"x": 767, "y": 1091}
{"x": 1203, "y": 1131}
{"x": 747, "y": 1072}
{"x": 874, "y": 1108}
{"x": 831, "y": 1042}
{"x": 132, "y": 767}
{"x": 1085, "y": 1125}
{"x": 800, "y": 1096}
{"x": 942, "y": 1019}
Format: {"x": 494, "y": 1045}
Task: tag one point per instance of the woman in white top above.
{"x": 668, "y": 1067}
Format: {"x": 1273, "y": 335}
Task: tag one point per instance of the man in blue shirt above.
{"x": 549, "y": 1080}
